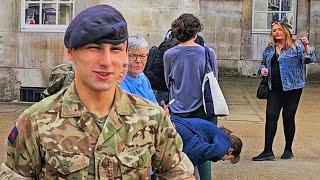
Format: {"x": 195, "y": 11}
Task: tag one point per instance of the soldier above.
{"x": 93, "y": 129}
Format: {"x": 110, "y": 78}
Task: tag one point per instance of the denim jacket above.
{"x": 291, "y": 62}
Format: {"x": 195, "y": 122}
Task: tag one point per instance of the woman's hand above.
{"x": 305, "y": 41}
{"x": 264, "y": 71}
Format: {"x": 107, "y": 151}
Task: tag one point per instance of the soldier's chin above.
{"x": 101, "y": 87}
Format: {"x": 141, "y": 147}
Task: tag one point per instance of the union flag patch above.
{"x": 13, "y": 135}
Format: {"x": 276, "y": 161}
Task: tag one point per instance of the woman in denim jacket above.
{"x": 282, "y": 62}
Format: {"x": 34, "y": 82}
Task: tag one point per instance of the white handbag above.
{"x": 219, "y": 103}
{"x": 220, "y": 107}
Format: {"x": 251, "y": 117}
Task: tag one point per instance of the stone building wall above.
{"x": 313, "y": 70}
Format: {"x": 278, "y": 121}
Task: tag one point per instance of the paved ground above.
{"x": 247, "y": 121}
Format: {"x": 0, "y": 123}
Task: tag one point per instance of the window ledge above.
{"x": 44, "y": 28}
{"x": 260, "y": 31}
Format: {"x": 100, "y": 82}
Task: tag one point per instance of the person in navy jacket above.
{"x": 203, "y": 141}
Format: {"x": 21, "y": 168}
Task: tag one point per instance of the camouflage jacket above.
{"x": 57, "y": 137}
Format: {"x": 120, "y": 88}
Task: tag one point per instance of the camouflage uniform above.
{"x": 60, "y": 77}
{"x": 58, "y": 139}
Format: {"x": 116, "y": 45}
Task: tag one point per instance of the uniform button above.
{"x": 90, "y": 149}
{"x": 75, "y": 148}
{"x": 54, "y": 162}
{"x": 110, "y": 173}
{"x": 65, "y": 170}
{"x": 105, "y": 164}
{"x": 140, "y": 163}
{"x": 99, "y": 148}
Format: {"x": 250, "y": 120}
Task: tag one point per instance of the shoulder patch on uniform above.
{"x": 13, "y": 134}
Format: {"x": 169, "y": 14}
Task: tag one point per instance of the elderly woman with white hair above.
{"x": 135, "y": 81}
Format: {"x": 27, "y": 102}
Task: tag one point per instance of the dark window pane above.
{"x": 273, "y": 5}
{"x": 286, "y": 5}
{"x": 49, "y": 14}
{"x": 272, "y": 17}
{"x": 32, "y": 13}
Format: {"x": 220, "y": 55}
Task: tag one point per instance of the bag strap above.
{"x": 208, "y": 65}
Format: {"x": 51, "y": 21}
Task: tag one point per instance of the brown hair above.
{"x": 236, "y": 144}
{"x": 185, "y": 27}
{"x": 288, "y": 35}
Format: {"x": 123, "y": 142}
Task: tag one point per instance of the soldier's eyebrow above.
{"x": 92, "y": 44}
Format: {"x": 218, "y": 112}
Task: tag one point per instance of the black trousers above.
{"x": 287, "y": 101}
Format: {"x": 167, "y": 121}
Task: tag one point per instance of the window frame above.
{"x": 279, "y": 12}
{"x": 43, "y": 27}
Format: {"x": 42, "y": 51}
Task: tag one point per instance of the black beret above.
{"x": 97, "y": 24}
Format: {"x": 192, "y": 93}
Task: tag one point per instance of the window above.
{"x": 267, "y": 11}
{"x": 46, "y": 15}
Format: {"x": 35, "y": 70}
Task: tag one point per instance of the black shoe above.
{"x": 287, "y": 154}
{"x": 264, "y": 156}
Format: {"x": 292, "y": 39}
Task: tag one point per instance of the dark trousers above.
{"x": 199, "y": 113}
{"x": 287, "y": 101}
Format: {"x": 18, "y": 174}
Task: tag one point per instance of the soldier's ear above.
{"x": 70, "y": 52}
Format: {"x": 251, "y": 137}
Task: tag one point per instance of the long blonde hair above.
{"x": 290, "y": 42}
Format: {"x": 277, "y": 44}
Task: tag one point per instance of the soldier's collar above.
{"x": 73, "y": 107}
{"x": 71, "y": 104}
{"x": 122, "y": 103}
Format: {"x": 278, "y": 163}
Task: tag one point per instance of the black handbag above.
{"x": 263, "y": 89}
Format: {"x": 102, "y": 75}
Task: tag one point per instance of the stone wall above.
{"x": 313, "y": 70}
{"x": 222, "y": 31}
{"x": 153, "y": 18}
{"x": 8, "y": 33}
{"x": 9, "y": 85}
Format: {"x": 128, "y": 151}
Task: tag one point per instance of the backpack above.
{"x": 154, "y": 69}
{"x": 60, "y": 78}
